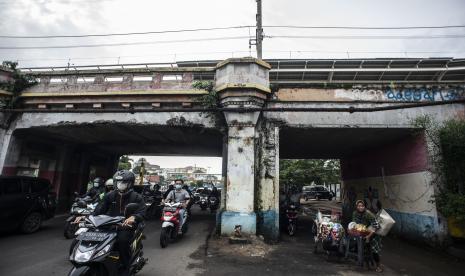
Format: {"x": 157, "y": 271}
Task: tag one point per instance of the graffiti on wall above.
{"x": 424, "y": 94}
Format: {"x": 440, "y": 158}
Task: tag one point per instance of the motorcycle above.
{"x": 291, "y": 216}
{"x": 203, "y": 203}
{"x": 170, "y": 223}
{"x": 95, "y": 251}
{"x": 81, "y": 207}
{"x": 153, "y": 205}
{"x": 214, "y": 203}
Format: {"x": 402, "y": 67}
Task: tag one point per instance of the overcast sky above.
{"x": 76, "y": 17}
{"x": 71, "y": 17}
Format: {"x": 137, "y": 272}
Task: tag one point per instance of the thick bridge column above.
{"x": 10, "y": 152}
{"x": 267, "y": 189}
{"x": 241, "y": 83}
{"x": 240, "y": 173}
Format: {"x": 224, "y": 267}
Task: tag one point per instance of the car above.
{"x": 25, "y": 202}
{"x": 317, "y": 192}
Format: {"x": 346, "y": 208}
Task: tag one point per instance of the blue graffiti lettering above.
{"x": 422, "y": 94}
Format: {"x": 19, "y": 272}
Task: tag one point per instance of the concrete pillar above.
{"x": 9, "y": 153}
{"x": 241, "y": 83}
{"x": 240, "y": 181}
{"x": 62, "y": 176}
{"x": 267, "y": 189}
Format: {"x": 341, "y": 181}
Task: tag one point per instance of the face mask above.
{"x": 178, "y": 187}
{"x": 122, "y": 186}
{"x": 96, "y": 184}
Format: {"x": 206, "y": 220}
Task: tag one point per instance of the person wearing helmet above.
{"x": 179, "y": 195}
{"x": 109, "y": 185}
{"x": 170, "y": 188}
{"x": 114, "y": 204}
{"x": 97, "y": 190}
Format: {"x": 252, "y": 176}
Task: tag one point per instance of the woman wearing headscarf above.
{"x": 363, "y": 216}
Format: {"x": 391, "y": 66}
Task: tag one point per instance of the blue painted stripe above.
{"x": 415, "y": 226}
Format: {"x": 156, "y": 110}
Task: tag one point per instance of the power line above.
{"x": 368, "y": 36}
{"x": 364, "y": 27}
{"x": 121, "y": 43}
{"x": 230, "y": 28}
{"x": 125, "y": 34}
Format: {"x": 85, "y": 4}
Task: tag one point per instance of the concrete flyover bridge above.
{"x": 81, "y": 119}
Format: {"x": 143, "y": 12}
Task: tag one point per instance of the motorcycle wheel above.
{"x": 165, "y": 236}
{"x": 291, "y": 229}
{"x": 69, "y": 230}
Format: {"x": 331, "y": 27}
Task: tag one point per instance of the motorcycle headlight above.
{"x": 103, "y": 251}
{"x": 167, "y": 217}
{"x": 82, "y": 257}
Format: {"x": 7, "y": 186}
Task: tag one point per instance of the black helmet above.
{"x": 156, "y": 187}
{"x": 124, "y": 180}
{"x": 98, "y": 182}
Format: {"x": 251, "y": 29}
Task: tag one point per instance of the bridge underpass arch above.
{"x": 385, "y": 165}
{"x": 68, "y": 148}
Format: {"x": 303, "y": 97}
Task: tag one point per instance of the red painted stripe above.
{"x": 406, "y": 156}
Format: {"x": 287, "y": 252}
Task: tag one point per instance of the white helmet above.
{"x": 109, "y": 183}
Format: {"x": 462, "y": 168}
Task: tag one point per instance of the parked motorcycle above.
{"x": 95, "y": 252}
{"x": 203, "y": 202}
{"x": 81, "y": 207}
{"x": 213, "y": 203}
{"x": 170, "y": 223}
{"x": 291, "y": 219}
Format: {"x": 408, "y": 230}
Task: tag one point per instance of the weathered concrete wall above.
{"x": 409, "y": 93}
{"x": 396, "y": 177}
{"x": 388, "y": 119}
{"x": 240, "y": 173}
{"x": 267, "y": 180}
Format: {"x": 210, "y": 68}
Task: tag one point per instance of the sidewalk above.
{"x": 294, "y": 256}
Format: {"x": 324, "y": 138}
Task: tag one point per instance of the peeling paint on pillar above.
{"x": 267, "y": 179}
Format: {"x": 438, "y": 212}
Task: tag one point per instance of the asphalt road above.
{"x": 46, "y": 252}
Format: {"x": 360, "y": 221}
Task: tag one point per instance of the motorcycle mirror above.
{"x": 131, "y": 209}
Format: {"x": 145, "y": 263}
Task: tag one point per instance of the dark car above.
{"x": 317, "y": 192}
{"x": 25, "y": 202}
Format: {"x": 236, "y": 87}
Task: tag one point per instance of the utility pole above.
{"x": 259, "y": 31}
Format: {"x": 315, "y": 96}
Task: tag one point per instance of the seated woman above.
{"x": 363, "y": 216}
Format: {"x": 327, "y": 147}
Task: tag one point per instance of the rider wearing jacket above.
{"x": 98, "y": 189}
{"x": 114, "y": 204}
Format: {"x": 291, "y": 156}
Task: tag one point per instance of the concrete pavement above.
{"x": 46, "y": 252}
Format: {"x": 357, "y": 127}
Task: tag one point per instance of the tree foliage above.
{"x": 303, "y": 172}
{"x": 124, "y": 163}
{"x": 20, "y": 82}
{"x": 211, "y": 99}
{"x": 448, "y": 164}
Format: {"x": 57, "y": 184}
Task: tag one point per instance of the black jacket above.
{"x": 114, "y": 203}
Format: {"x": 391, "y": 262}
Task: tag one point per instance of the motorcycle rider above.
{"x": 98, "y": 189}
{"x": 215, "y": 193}
{"x": 179, "y": 195}
{"x": 114, "y": 204}
{"x": 191, "y": 195}
{"x": 170, "y": 188}
{"x": 109, "y": 185}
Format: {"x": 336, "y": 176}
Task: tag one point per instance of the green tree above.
{"x": 303, "y": 172}
{"x": 124, "y": 163}
{"x": 20, "y": 82}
